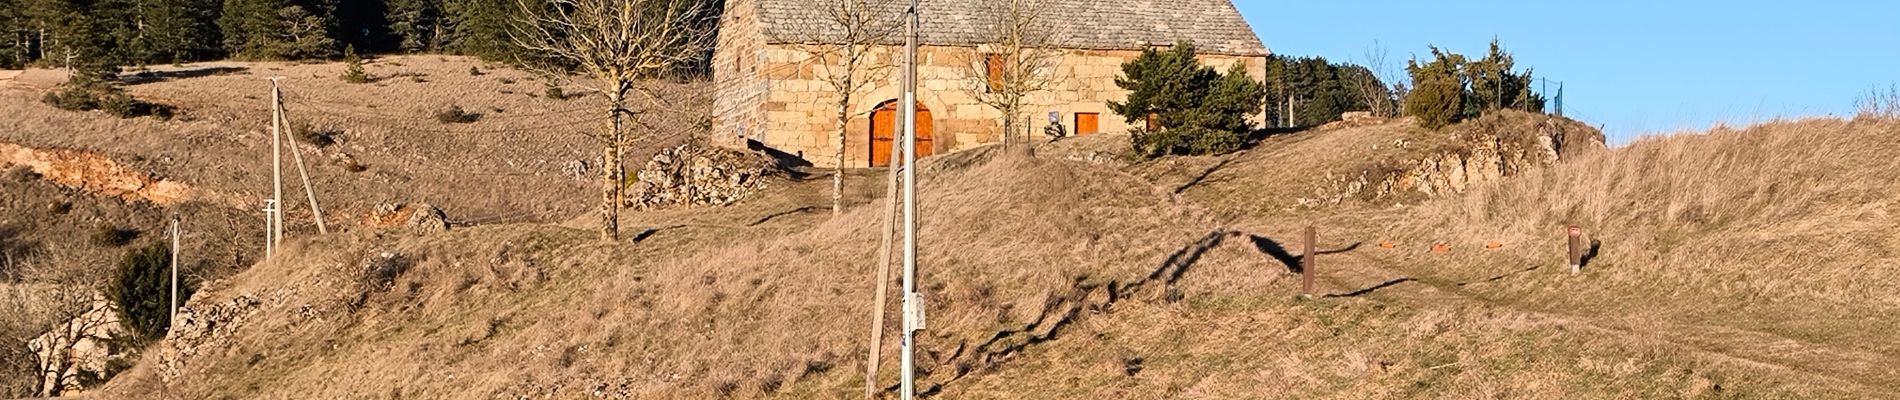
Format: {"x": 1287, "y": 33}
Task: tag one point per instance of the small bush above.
{"x": 353, "y": 67}
{"x": 72, "y": 98}
{"x": 456, "y": 115}
{"x": 506, "y": 81}
{"x": 81, "y": 95}
{"x": 1185, "y": 141}
{"x": 554, "y": 92}
{"x": 124, "y": 106}
{"x": 475, "y": 71}
{"x": 143, "y": 291}
{"x": 111, "y": 236}
{"x": 320, "y": 137}
{"x": 22, "y": 174}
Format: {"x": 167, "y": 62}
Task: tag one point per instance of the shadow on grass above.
{"x": 161, "y": 76}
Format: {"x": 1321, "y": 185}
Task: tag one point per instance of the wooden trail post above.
{"x": 1306, "y": 261}
{"x": 1576, "y": 249}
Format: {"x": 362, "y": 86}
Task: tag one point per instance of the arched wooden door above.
{"x": 885, "y": 130}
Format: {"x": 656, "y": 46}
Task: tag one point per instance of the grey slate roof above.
{"x": 1214, "y": 26}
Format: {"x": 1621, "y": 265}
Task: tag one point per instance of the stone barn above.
{"x": 769, "y": 91}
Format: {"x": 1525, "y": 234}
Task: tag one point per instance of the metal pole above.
{"x": 1306, "y": 261}
{"x": 276, "y": 163}
{"x": 912, "y": 308}
{"x": 270, "y": 212}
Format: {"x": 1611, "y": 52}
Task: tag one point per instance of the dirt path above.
{"x": 1862, "y": 372}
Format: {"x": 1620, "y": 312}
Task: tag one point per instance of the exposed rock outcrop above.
{"x": 418, "y": 217}
{"x": 693, "y": 175}
{"x": 96, "y": 174}
{"x": 1484, "y": 150}
{"x": 203, "y": 327}
{"x": 81, "y": 352}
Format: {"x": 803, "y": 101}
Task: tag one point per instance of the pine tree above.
{"x": 480, "y": 28}
{"x": 1440, "y": 96}
{"x": 416, "y": 24}
{"x": 1198, "y": 110}
{"x": 176, "y": 31}
{"x": 353, "y": 66}
{"x": 14, "y": 40}
{"x": 278, "y": 29}
{"x": 360, "y": 23}
{"x": 87, "y": 36}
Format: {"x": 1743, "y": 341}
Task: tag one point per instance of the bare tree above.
{"x": 1018, "y": 59}
{"x": 1381, "y": 82}
{"x": 616, "y": 43}
{"x": 845, "y": 56}
{"x": 53, "y": 298}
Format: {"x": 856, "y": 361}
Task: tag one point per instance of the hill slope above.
{"x": 1066, "y": 279}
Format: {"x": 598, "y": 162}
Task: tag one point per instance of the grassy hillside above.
{"x": 1052, "y": 278}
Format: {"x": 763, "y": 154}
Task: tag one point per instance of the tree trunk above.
{"x": 611, "y": 175}
{"x": 837, "y": 171}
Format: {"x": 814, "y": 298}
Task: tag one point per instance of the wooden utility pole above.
{"x": 276, "y": 162}
{"x": 883, "y": 278}
{"x": 175, "y": 234}
{"x": 296, "y": 156}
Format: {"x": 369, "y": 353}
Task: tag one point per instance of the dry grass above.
{"x": 1734, "y": 239}
{"x": 712, "y": 308}
{"x": 763, "y": 300}
{"x": 391, "y": 148}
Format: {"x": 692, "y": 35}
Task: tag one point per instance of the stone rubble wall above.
{"x": 694, "y": 175}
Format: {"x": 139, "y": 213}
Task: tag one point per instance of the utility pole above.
{"x": 270, "y": 224}
{"x": 296, "y": 156}
{"x": 175, "y": 234}
{"x": 276, "y": 163}
{"x": 913, "y": 307}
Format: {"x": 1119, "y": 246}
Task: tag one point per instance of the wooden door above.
{"x": 885, "y": 130}
{"x": 1088, "y": 123}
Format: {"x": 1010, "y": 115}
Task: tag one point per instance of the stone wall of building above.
{"x": 739, "y": 88}
{"x": 800, "y": 109}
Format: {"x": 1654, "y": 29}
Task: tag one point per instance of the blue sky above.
{"x": 1634, "y": 67}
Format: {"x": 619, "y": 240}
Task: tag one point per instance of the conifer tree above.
{"x": 480, "y": 28}
{"x": 176, "y": 31}
{"x": 416, "y": 24}
{"x": 277, "y": 29}
{"x": 353, "y": 66}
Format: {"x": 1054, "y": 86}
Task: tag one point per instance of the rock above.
{"x": 693, "y": 175}
{"x": 418, "y": 217}
{"x": 1355, "y": 119}
{"x": 79, "y": 350}
{"x": 203, "y": 328}
{"x": 1478, "y": 152}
